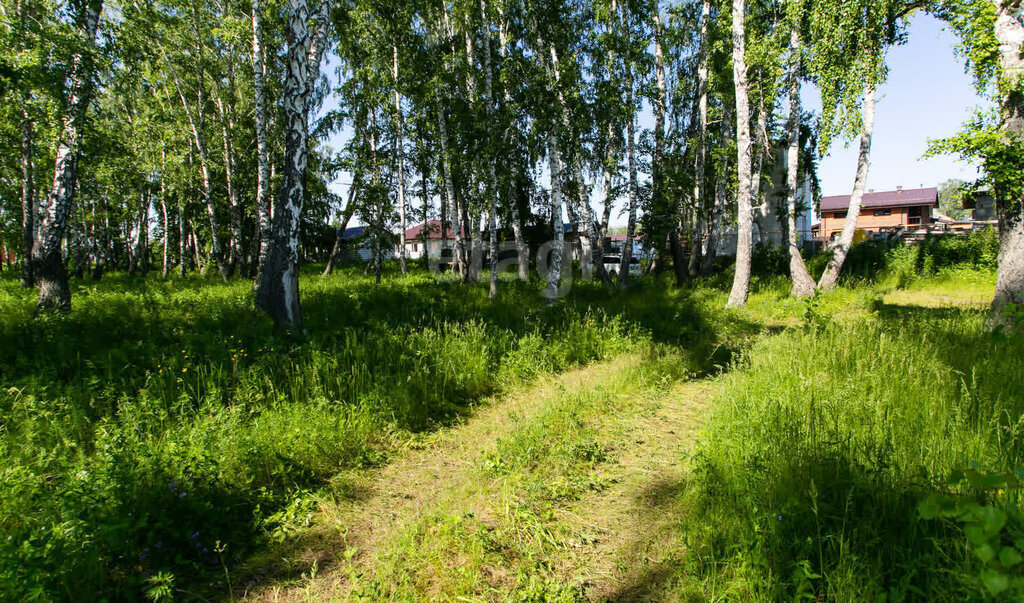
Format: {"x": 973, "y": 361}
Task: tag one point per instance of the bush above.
{"x": 872, "y": 261}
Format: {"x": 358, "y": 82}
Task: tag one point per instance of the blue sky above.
{"x": 927, "y": 96}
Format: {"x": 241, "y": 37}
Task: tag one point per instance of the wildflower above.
{"x": 779, "y": 517}
{"x": 184, "y": 369}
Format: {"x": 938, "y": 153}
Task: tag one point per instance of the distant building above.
{"x": 617, "y": 243}
{"x": 888, "y": 211}
{"x": 415, "y": 247}
{"x": 769, "y": 214}
{"x": 359, "y": 244}
{"x": 982, "y": 205}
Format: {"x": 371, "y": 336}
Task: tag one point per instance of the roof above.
{"x": 353, "y": 232}
{"x": 896, "y": 198}
{"x": 433, "y": 231}
{"x": 621, "y": 237}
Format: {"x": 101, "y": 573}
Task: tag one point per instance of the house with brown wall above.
{"x": 880, "y": 212}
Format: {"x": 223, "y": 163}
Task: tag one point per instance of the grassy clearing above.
{"x": 824, "y": 442}
{"x": 164, "y": 440}
{"x": 162, "y": 432}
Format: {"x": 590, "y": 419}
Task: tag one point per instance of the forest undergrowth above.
{"x": 161, "y": 439}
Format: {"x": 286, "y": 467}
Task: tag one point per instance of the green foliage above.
{"x": 847, "y": 45}
{"x": 986, "y": 505}
{"x": 876, "y": 261}
{"x": 977, "y": 251}
{"x": 951, "y": 193}
{"x": 161, "y": 420}
{"x": 769, "y": 260}
{"x": 824, "y": 439}
{"x": 1001, "y": 155}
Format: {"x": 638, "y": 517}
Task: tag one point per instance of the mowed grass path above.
{"x": 423, "y": 442}
{"x": 566, "y": 488}
{"x": 579, "y": 487}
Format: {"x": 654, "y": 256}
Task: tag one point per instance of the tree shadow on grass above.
{"x": 149, "y": 361}
{"x": 781, "y": 536}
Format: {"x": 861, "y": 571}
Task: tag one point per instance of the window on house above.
{"x": 883, "y": 212}
{"x": 839, "y": 215}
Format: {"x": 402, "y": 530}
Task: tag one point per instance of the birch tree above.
{"x": 626, "y": 258}
{"x": 992, "y": 36}
{"x": 48, "y": 268}
{"x": 262, "y": 148}
{"x": 399, "y": 158}
{"x": 277, "y": 293}
{"x": 803, "y": 284}
{"x": 741, "y": 280}
{"x": 701, "y": 213}
{"x": 1009, "y": 34}
{"x": 848, "y": 63}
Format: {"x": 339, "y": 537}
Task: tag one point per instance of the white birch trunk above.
{"x": 842, "y": 246}
{"x": 399, "y": 158}
{"x": 492, "y": 194}
{"x": 165, "y": 260}
{"x": 741, "y": 280}
{"x": 449, "y": 188}
{"x": 196, "y": 124}
{"x": 657, "y": 167}
{"x": 262, "y": 149}
{"x": 585, "y": 228}
{"x": 701, "y": 217}
{"x": 28, "y": 210}
{"x": 555, "y": 259}
{"x": 278, "y": 290}
{"x": 1009, "y": 32}
{"x": 803, "y": 284}
{"x": 522, "y": 253}
{"x": 626, "y": 258}
{"x": 47, "y": 263}
{"x": 235, "y": 256}
{"x": 470, "y": 211}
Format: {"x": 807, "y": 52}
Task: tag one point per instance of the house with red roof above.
{"x": 886, "y": 211}
{"x": 415, "y": 246}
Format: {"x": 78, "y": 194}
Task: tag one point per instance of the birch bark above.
{"x": 741, "y": 280}
{"x": 399, "y": 151}
{"x": 47, "y": 263}
{"x": 803, "y": 284}
{"x": 626, "y": 258}
{"x": 830, "y": 278}
{"x": 278, "y": 290}
{"x": 1009, "y": 33}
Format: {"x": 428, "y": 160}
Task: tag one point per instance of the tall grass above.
{"x": 824, "y": 440}
{"x": 162, "y": 430}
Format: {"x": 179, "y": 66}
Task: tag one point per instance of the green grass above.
{"x": 162, "y": 436}
{"x": 164, "y": 429}
{"x": 823, "y": 441}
